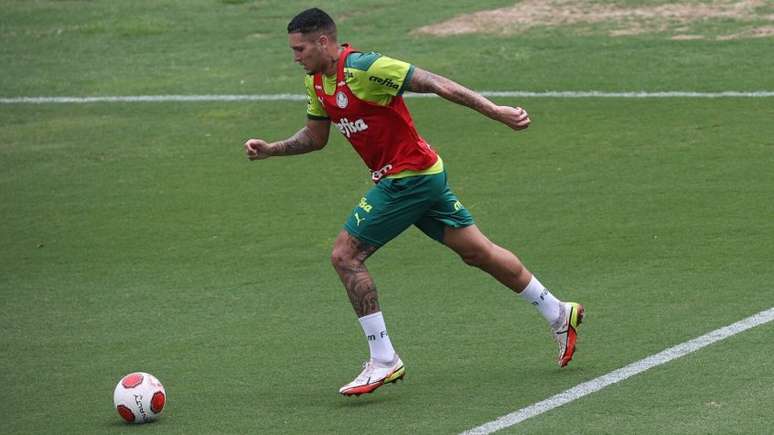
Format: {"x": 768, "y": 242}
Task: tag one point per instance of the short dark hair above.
{"x": 313, "y": 20}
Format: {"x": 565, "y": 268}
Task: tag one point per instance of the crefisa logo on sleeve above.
{"x": 341, "y": 100}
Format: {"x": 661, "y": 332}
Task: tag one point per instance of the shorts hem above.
{"x": 458, "y": 224}
{"x": 362, "y": 238}
{"x": 455, "y": 225}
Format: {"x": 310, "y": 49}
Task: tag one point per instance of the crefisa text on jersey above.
{"x": 384, "y": 82}
{"x": 348, "y": 128}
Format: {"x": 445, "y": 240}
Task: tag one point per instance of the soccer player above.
{"x": 361, "y": 94}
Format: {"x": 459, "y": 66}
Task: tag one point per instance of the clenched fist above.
{"x": 514, "y": 117}
{"x": 257, "y": 149}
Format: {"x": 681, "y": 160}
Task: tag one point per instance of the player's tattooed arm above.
{"x": 426, "y": 82}
{"x": 301, "y": 142}
{"x": 313, "y": 137}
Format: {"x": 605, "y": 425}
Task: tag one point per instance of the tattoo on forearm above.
{"x": 299, "y": 143}
{"x": 424, "y": 81}
{"x": 360, "y": 287}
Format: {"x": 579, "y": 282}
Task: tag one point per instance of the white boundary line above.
{"x": 300, "y": 97}
{"x": 619, "y": 375}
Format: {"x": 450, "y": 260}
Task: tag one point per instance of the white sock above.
{"x": 539, "y": 296}
{"x": 378, "y": 340}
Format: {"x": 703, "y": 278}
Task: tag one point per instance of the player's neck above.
{"x": 330, "y": 69}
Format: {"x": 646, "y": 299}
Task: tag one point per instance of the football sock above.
{"x": 539, "y": 296}
{"x": 378, "y": 341}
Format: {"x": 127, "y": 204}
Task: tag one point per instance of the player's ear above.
{"x": 323, "y": 40}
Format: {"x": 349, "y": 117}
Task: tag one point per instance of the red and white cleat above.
{"x": 373, "y": 376}
{"x": 565, "y": 330}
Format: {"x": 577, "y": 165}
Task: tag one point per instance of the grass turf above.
{"x": 137, "y": 237}
{"x": 163, "y": 250}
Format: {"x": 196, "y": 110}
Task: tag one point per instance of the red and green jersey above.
{"x": 364, "y": 101}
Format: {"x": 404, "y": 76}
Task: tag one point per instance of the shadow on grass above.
{"x": 117, "y": 423}
{"x": 372, "y": 399}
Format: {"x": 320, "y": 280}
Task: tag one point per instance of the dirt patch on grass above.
{"x": 755, "y": 32}
{"x": 616, "y": 20}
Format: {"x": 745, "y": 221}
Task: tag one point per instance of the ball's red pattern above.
{"x": 132, "y": 380}
{"x": 157, "y": 401}
{"x": 125, "y": 413}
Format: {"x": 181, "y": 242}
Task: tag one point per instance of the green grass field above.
{"x": 136, "y": 236}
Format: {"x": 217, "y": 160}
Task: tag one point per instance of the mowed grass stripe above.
{"x": 299, "y": 97}
{"x": 623, "y": 373}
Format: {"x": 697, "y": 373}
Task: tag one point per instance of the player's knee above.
{"x": 342, "y": 259}
{"x": 337, "y": 259}
{"x": 477, "y": 258}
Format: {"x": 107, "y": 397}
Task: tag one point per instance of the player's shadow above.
{"x": 364, "y": 400}
{"x": 117, "y": 423}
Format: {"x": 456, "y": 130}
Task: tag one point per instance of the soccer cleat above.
{"x": 565, "y": 330}
{"x": 373, "y": 376}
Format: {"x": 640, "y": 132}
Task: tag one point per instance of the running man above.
{"x": 361, "y": 94}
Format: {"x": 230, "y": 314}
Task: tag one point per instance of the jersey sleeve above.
{"x": 388, "y": 76}
{"x": 314, "y": 109}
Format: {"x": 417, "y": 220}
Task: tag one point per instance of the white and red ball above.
{"x": 139, "y": 397}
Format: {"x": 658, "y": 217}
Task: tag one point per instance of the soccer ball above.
{"x": 139, "y": 397}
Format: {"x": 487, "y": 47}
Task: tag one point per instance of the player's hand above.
{"x": 514, "y": 117}
{"x": 257, "y": 149}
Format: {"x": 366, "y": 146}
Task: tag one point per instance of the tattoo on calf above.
{"x": 360, "y": 287}
{"x": 362, "y": 294}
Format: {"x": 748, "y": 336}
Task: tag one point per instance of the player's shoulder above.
{"x": 367, "y": 60}
{"x": 362, "y": 60}
{"x": 375, "y": 77}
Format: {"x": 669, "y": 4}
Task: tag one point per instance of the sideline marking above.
{"x": 619, "y": 375}
{"x": 299, "y": 97}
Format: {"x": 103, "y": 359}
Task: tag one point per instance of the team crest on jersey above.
{"x": 341, "y": 100}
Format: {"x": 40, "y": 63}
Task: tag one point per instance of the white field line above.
{"x": 619, "y": 375}
{"x": 301, "y": 97}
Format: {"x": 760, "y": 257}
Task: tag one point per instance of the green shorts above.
{"x": 394, "y": 204}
